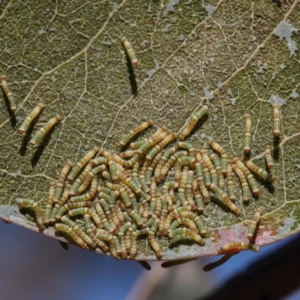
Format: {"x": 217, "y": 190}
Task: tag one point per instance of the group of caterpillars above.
{"x": 40, "y": 134}
{"x": 151, "y": 191}
{"x": 110, "y": 201}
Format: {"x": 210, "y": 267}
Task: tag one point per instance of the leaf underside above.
{"x": 220, "y": 53}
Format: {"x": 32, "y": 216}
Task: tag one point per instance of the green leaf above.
{"x": 225, "y": 54}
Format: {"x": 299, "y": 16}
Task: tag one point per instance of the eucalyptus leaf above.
{"x": 237, "y": 57}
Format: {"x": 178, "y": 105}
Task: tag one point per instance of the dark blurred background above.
{"x": 33, "y": 266}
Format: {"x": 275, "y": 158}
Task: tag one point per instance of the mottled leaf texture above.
{"x": 237, "y": 57}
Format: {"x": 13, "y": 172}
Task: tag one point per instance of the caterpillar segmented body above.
{"x": 40, "y": 134}
{"x": 247, "y": 138}
{"x": 276, "y": 120}
{"x": 192, "y": 122}
{"x": 8, "y": 93}
{"x": 253, "y": 224}
{"x": 130, "y": 51}
{"x": 26, "y": 123}
{"x": 236, "y": 247}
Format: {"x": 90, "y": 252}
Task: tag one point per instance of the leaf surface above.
{"x": 225, "y": 54}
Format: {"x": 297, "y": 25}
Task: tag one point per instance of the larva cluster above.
{"x": 155, "y": 190}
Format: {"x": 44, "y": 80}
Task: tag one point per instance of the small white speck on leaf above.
{"x": 214, "y": 118}
{"x": 287, "y": 227}
{"x": 181, "y": 37}
{"x": 275, "y": 99}
{"x": 282, "y": 66}
{"x": 171, "y": 4}
{"x": 207, "y": 94}
{"x": 294, "y": 95}
{"x": 144, "y": 43}
{"x": 292, "y": 47}
{"x": 233, "y": 100}
{"x": 114, "y": 5}
{"x": 152, "y": 71}
{"x": 209, "y": 9}
{"x": 41, "y": 31}
{"x": 284, "y": 30}
{"x": 166, "y": 28}
{"x": 106, "y": 41}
